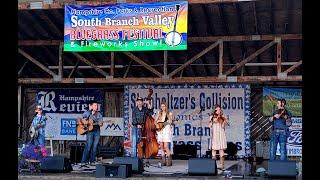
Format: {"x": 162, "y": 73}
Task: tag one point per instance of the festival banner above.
{"x": 292, "y": 96}
{"x": 62, "y": 107}
{"x": 191, "y": 106}
{"x": 126, "y": 27}
{"x": 294, "y": 140}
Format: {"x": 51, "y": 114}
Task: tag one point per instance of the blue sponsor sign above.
{"x": 68, "y": 126}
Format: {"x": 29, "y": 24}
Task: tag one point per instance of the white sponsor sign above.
{"x": 113, "y": 128}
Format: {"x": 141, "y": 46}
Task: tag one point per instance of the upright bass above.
{"x": 148, "y": 145}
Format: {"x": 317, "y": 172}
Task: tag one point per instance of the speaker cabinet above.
{"x": 55, "y": 164}
{"x": 113, "y": 170}
{"x": 136, "y": 163}
{"x": 277, "y": 168}
{"x": 202, "y": 166}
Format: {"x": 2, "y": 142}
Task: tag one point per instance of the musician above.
{"x": 139, "y": 113}
{"x": 164, "y": 136}
{"x": 90, "y": 150}
{"x": 217, "y": 121}
{"x": 39, "y": 123}
{"x": 281, "y": 119}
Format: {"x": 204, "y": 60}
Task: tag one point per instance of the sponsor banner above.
{"x": 113, "y": 128}
{"x": 191, "y": 106}
{"x": 294, "y": 140}
{"x": 293, "y": 98}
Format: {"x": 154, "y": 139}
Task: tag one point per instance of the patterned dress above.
{"x": 219, "y": 140}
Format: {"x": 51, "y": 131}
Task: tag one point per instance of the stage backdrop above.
{"x": 62, "y": 107}
{"x": 191, "y": 105}
{"x": 126, "y": 27}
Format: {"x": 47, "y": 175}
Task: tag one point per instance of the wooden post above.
{"x": 165, "y": 64}
{"x": 220, "y": 57}
{"x": 278, "y": 40}
{"x": 19, "y": 111}
{"x": 112, "y": 65}
{"x": 60, "y": 72}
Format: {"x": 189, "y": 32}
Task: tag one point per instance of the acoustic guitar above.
{"x": 84, "y": 125}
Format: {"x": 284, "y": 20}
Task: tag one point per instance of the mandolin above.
{"x": 85, "y": 126}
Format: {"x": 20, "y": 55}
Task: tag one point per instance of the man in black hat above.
{"x": 139, "y": 114}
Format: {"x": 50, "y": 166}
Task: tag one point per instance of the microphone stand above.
{"x": 201, "y": 133}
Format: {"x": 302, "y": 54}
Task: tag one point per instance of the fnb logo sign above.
{"x": 68, "y": 126}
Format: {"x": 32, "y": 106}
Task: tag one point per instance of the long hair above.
{"x": 220, "y": 117}
{"x": 167, "y": 110}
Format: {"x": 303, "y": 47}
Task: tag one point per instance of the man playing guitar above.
{"x": 92, "y": 136}
{"x": 38, "y": 125}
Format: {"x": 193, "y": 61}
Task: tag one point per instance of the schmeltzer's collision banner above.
{"x": 126, "y": 27}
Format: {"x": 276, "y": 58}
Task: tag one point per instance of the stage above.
{"x": 179, "y": 170}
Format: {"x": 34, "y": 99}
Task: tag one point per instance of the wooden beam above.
{"x": 278, "y": 40}
{"x": 190, "y": 39}
{"x": 220, "y": 57}
{"x": 245, "y": 38}
{"x": 144, "y": 80}
{"x": 83, "y": 59}
{"x": 39, "y": 42}
{"x": 60, "y": 4}
{"x": 138, "y": 60}
{"x": 194, "y": 58}
{"x": 60, "y": 72}
{"x": 112, "y": 64}
{"x": 293, "y": 67}
{"x": 251, "y": 57}
{"x": 21, "y": 69}
{"x": 128, "y": 68}
{"x": 36, "y": 62}
{"x": 165, "y": 63}
{"x": 74, "y": 68}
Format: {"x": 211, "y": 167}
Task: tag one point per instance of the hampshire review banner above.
{"x": 126, "y": 27}
{"x": 62, "y": 107}
{"x": 191, "y": 106}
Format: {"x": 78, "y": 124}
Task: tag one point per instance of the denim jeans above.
{"x": 281, "y": 138}
{"x": 136, "y": 134}
{"x": 40, "y": 141}
{"x": 91, "y": 146}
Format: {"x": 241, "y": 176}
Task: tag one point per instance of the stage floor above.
{"x": 179, "y": 170}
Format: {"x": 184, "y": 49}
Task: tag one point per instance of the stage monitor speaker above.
{"x": 202, "y": 166}
{"x": 277, "y": 168}
{"x": 55, "y": 164}
{"x": 113, "y": 170}
{"x": 137, "y": 164}
{"x": 76, "y": 152}
{"x": 182, "y": 151}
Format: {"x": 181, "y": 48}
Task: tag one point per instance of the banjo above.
{"x": 33, "y": 132}
{"x": 173, "y": 38}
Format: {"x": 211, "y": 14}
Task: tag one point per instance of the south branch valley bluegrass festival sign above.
{"x": 191, "y": 105}
{"x": 126, "y": 27}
